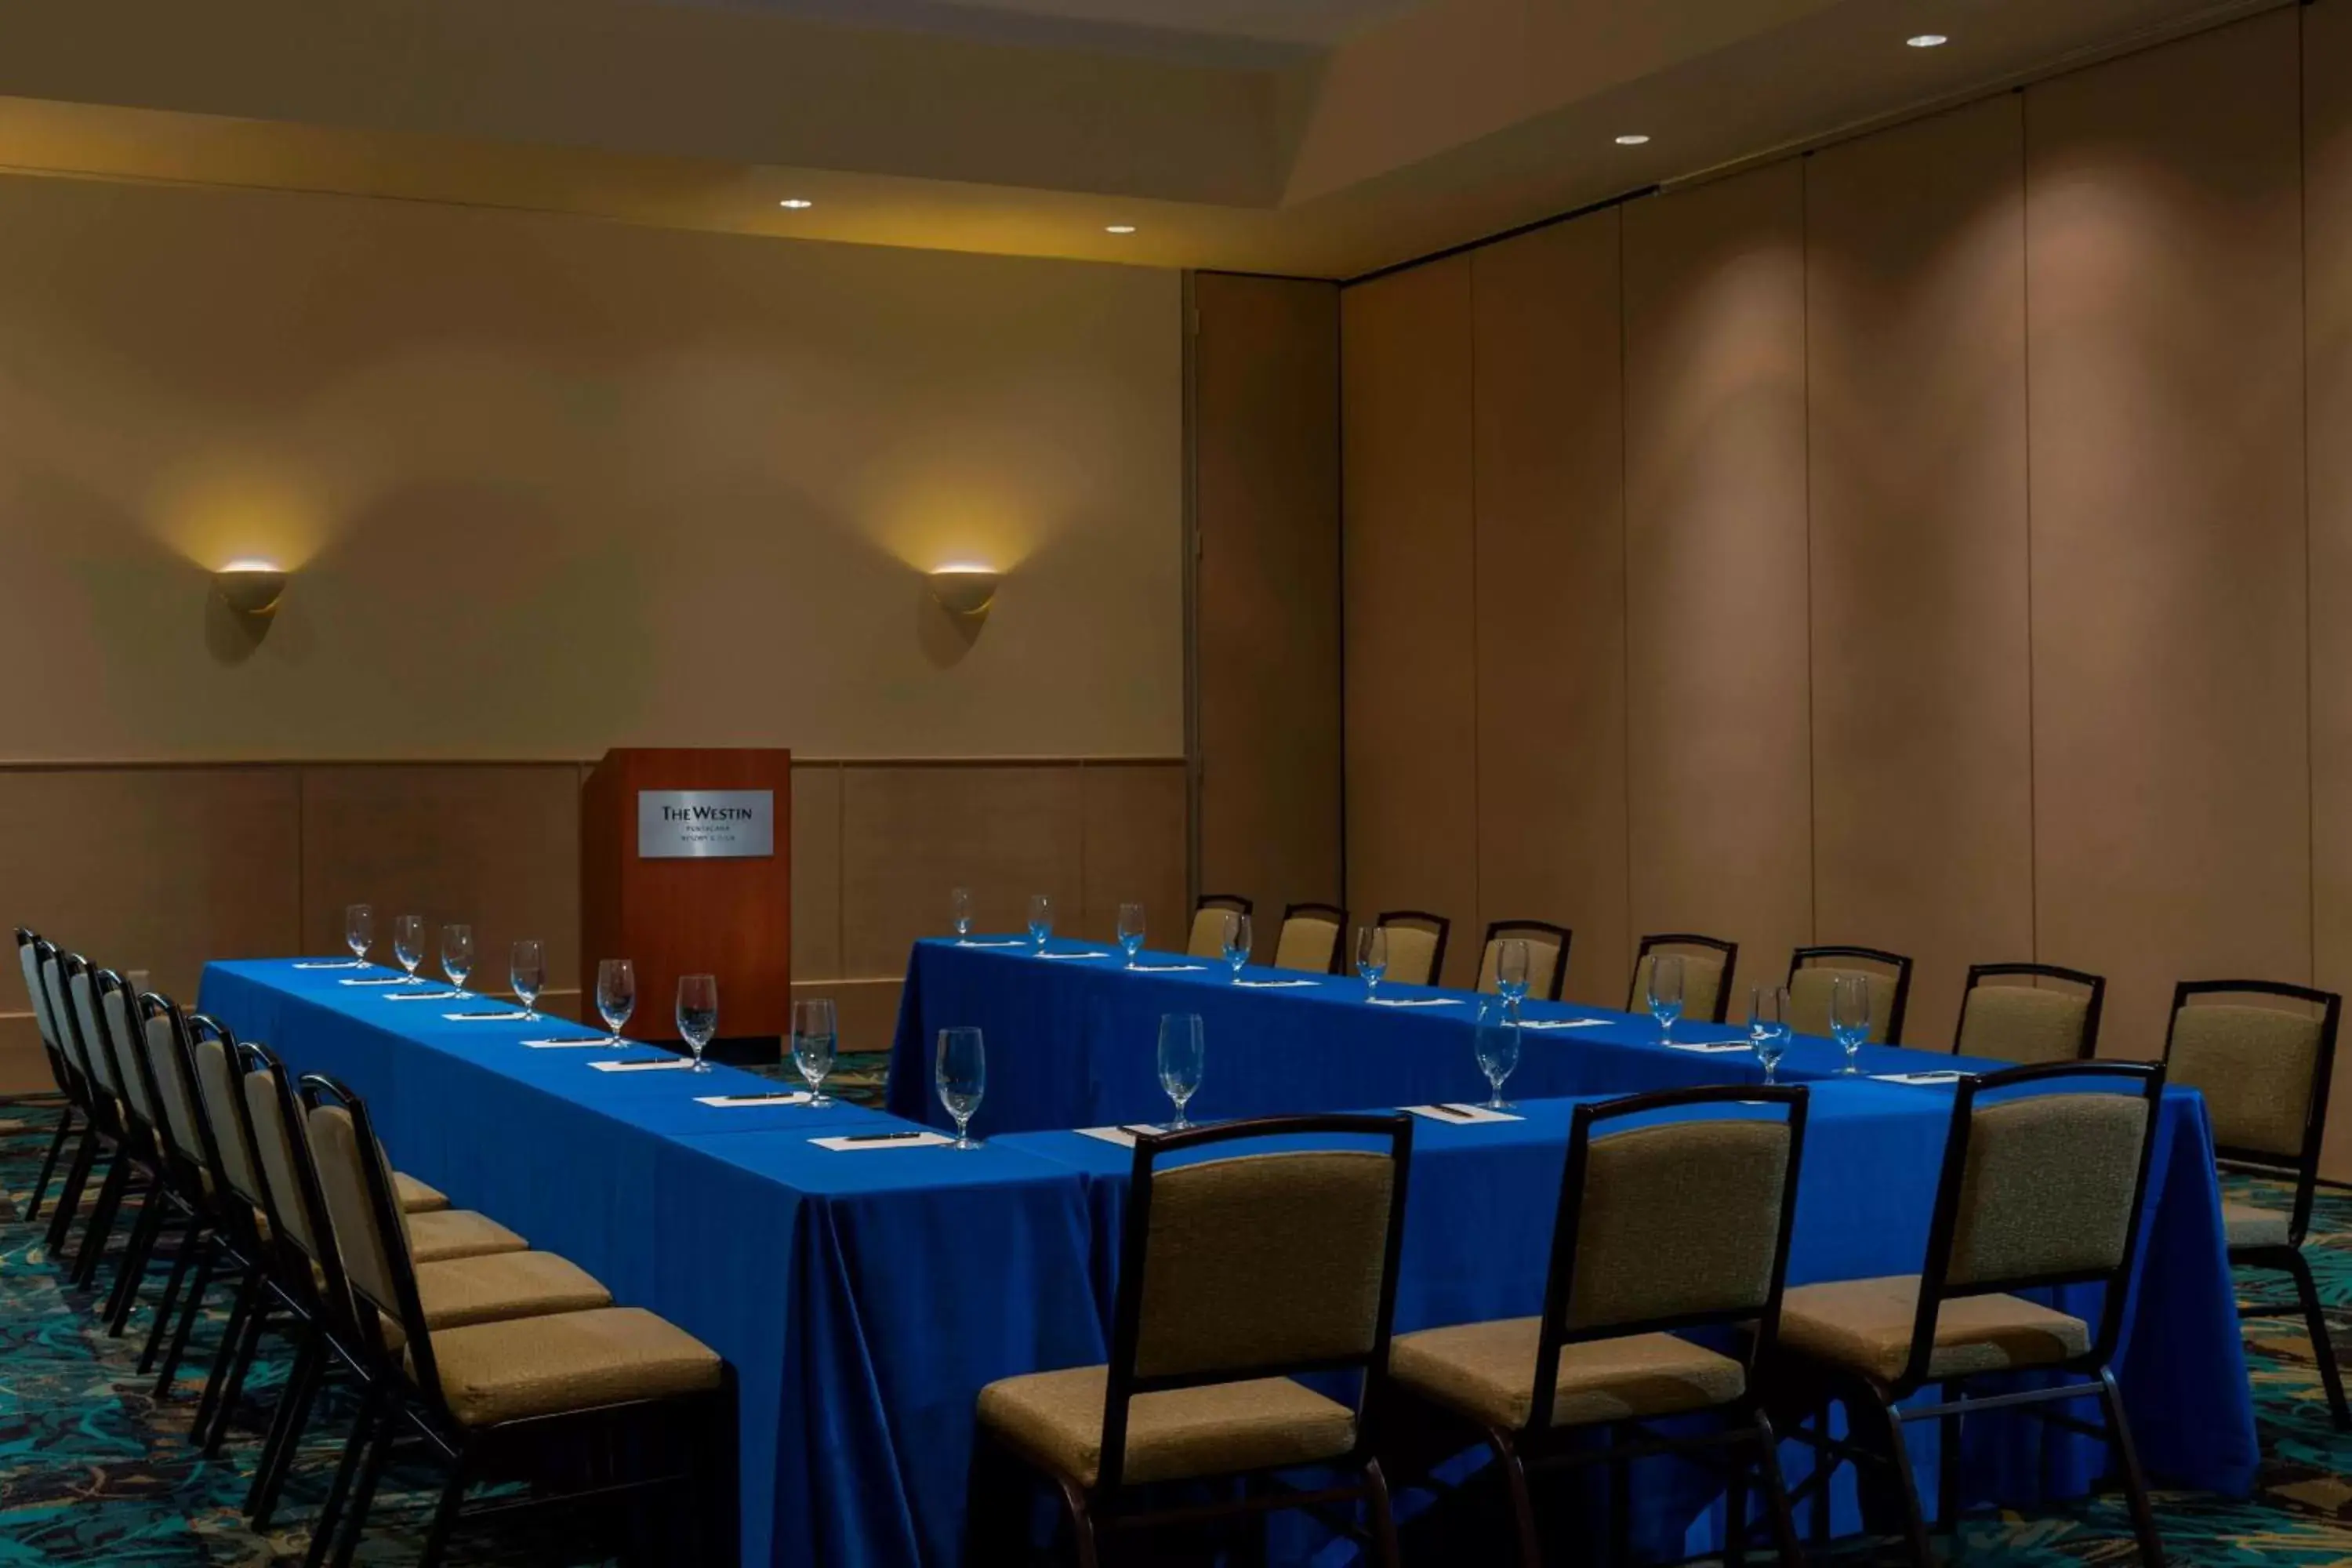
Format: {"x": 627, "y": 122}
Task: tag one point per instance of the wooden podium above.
{"x": 686, "y": 867}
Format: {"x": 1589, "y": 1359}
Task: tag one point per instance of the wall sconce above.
{"x": 964, "y": 590}
{"x": 250, "y": 588}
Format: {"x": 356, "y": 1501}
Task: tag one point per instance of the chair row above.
{"x": 1666, "y": 1298}
{"x": 456, "y": 1336}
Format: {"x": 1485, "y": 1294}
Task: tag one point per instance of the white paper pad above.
{"x": 569, "y": 1044}
{"x": 727, "y": 1102}
{"x": 1566, "y": 1023}
{"x": 1274, "y": 985}
{"x": 1122, "y": 1136}
{"x": 377, "y": 979}
{"x": 1015, "y": 943}
{"x": 1710, "y": 1048}
{"x": 334, "y": 963}
{"x": 1415, "y": 1001}
{"x": 1074, "y": 955}
{"x": 424, "y": 997}
{"x": 1461, "y": 1114}
{"x": 1171, "y": 968}
{"x": 513, "y": 1018}
{"x": 851, "y": 1145}
{"x": 673, "y": 1064}
{"x": 1945, "y": 1077}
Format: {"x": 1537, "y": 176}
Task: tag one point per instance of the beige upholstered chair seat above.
{"x": 2022, "y": 1024}
{"x": 2244, "y": 1224}
{"x": 1056, "y": 1417}
{"x": 1866, "y": 1324}
{"x": 443, "y": 1233}
{"x": 571, "y": 1360}
{"x": 1487, "y": 1371}
{"x": 414, "y": 1197}
{"x": 491, "y": 1289}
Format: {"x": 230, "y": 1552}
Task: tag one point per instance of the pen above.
{"x": 880, "y": 1137}
{"x": 1449, "y": 1110}
{"x": 755, "y": 1098}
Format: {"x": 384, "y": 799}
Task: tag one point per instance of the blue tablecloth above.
{"x": 1072, "y": 1042}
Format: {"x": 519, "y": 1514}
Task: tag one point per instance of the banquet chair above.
{"x": 1237, "y": 1275}
{"x": 1708, "y": 964}
{"x": 1547, "y": 955}
{"x": 71, "y": 994}
{"x": 177, "y": 1194}
{"x": 309, "y": 1274}
{"x": 487, "y": 1398}
{"x": 1416, "y": 946}
{"x": 1663, "y": 1228}
{"x": 1312, "y": 938}
{"x": 2038, "y": 1188}
{"x": 2034, "y": 1022}
{"x": 1208, "y": 935}
{"x": 1813, "y": 971}
{"x": 72, "y": 1118}
{"x": 103, "y": 1127}
{"x": 2264, "y": 1071}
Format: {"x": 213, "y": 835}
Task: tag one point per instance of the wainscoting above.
{"x": 163, "y": 867}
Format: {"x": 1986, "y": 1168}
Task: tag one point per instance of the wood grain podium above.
{"x": 686, "y": 868}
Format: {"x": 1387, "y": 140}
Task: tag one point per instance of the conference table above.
{"x": 865, "y": 1296}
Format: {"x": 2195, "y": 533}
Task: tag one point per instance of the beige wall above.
{"x": 1972, "y": 604}
{"x": 553, "y": 485}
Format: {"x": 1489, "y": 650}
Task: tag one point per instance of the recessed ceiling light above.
{"x": 1118, "y": 229}
{"x": 1633, "y": 139}
{"x": 1927, "y": 41}
{"x": 795, "y": 203}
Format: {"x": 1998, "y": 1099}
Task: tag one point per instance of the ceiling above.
{"x": 1324, "y": 138}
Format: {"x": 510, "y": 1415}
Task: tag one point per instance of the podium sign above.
{"x": 686, "y": 868}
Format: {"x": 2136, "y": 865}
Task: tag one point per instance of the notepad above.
{"x": 1461, "y": 1115}
{"x": 1414, "y": 1001}
{"x": 1946, "y": 1076}
{"x": 1122, "y": 1136}
{"x": 671, "y": 1065}
{"x": 1169, "y": 968}
{"x": 1566, "y": 1023}
{"x": 1274, "y": 985}
{"x": 737, "y": 1102}
{"x": 515, "y": 1017}
{"x": 1074, "y": 955}
{"x": 852, "y": 1144}
{"x": 1710, "y": 1048}
{"x": 377, "y": 979}
{"x": 1015, "y": 942}
{"x": 570, "y": 1045}
{"x": 424, "y": 997}
{"x": 332, "y": 964}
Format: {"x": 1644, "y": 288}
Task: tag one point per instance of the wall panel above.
{"x": 1551, "y": 559}
{"x": 1923, "y": 826}
{"x": 2172, "y": 765}
{"x": 1411, "y": 600}
{"x": 1265, "y": 435}
{"x": 816, "y": 871}
{"x": 1718, "y": 761}
{"x": 2327, "y": 209}
{"x": 1134, "y": 849}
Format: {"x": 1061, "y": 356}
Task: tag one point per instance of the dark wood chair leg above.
{"x": 1082, "y": 1524}
{"x": 1383, "y": 1515}
{"x": 2323, "y": 1348}
{"x": 362, "y": 1497}
{"x": 191, "y": 1310}
{"x": 1776, "y": 1494}
{"x": 445, "y": 1516}
{"x": 331, "y": 1513}
{"x": 49, "y": 1165}
{"x": 285, "y": 1429}
{"x": 132, "y": 1271}
{"x": 1905, "y": 1491}
{"x": 1523, "y": 1502}
{"x": 102, "y": 1221}
{"x": 240, "y": 1365}
{"x": 68, "y": 1205}
{"x": 2119, "y": 1433}
{"x": 1735, "y": 1516}
{"x": 248, "y": 1290}
{"x": 192, "y": 1242}
{"x": 1948, "y": 1471}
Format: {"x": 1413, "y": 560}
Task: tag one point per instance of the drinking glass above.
{"x": 458, "y": 953}
{"x": 815, "y": 1039}
{"x": 1182, "y": 1053}
{"x": 961, "y": 1074}
{"x": 1767, "y": 1025}
{"x": 960, "y": 910}
{"x": 1237, "y": 940}
{"x": 1499, "y": 1044}
{"x": 528, "y": 971}
{"x": 408, "y": 943}
{"x": 698, "y": 1014}
{"x": 1666, "y": 992}
{"x": 616, "y": 993}
{"x": 1511, "y": 968}
{"x": 1850, "y": 1019}
{"x": 358, "y": 930}
{"x": 1041, "y": 921}
{"x": 1371, "y": 957}
{"x": 1131, "y": 930}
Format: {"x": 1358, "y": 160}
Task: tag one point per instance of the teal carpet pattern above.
{"x": 94, "y": 1470}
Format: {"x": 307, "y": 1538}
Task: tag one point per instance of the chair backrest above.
{"x": 1207, "y": 938}
{"x": 1257, "y": 1265}
{"x": 2040, "y": 1189}
{"x": 1708, "y": 966}
{"x": 1672, "y": 1224}
{"x": 1547, "y": 947}
{"x": 221, "y": 1101}
{"x": 1813, "y": 970}
{"x": 2030, "y": 1014}
{"x": 49, "y": 969}
{"x": 70, "y": 993}
{"x": 1416, "y": 946}
{"x": 368, "y": 1230}
{"x": 162, "y": 1035}
{"x": 28, "y": 957}
{"x": 1312, "y": 936}
{"x": 2264, "y": 1060}
{"x": 122, "y": 1042}
{"x": 295, "y": 1205}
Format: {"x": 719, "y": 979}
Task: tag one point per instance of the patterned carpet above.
{"x": 95, "y": 1471}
